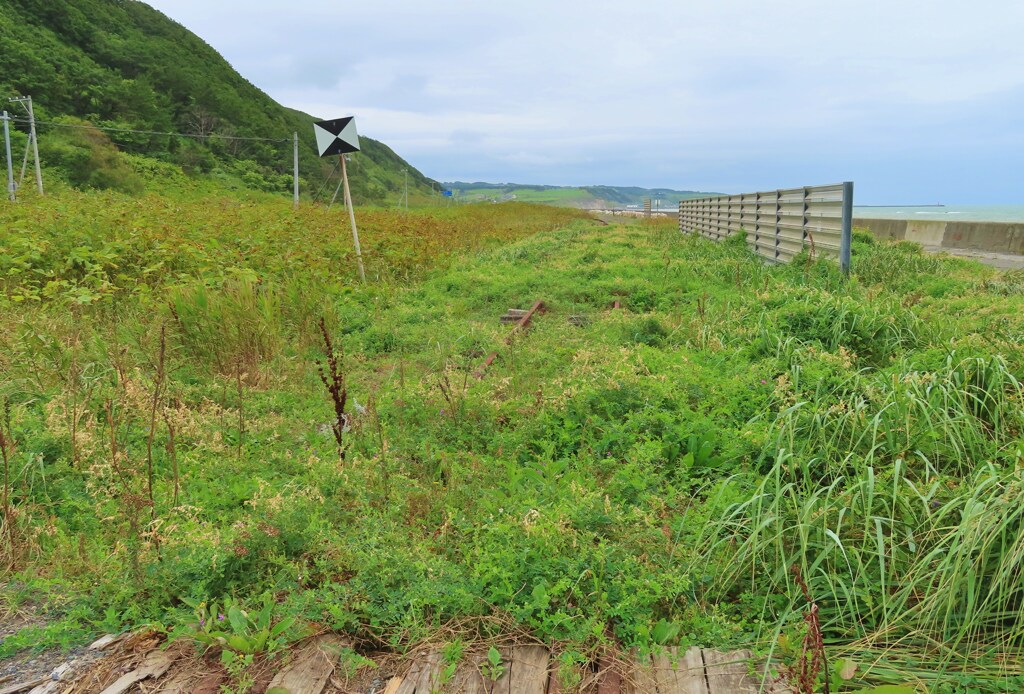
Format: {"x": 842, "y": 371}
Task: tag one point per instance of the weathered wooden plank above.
{"x": 182, "y": 680}
{"x": 430, "y": 677}
{"x": 504, "y": 683}
{"x": 664, "y": 673}
{"x": 408, "y": 683}
{"x": 680, "y": 674}
{"x": 641, "y": 679}
{"x": 424, "y": 677}
{"x": 309, "y": 671}
{"x": 691, "y": 673}
{"x": 20, "y": 687}
{"x": 105, "y": 642}
{"x": 529, "y": 670}
{"x": 728, "y": 673}
{"x": 554, "y": 685}
{"x": 467, "y": 680}
{"x": 154, "y": 665}
{"x": 393, "y": 684}
{"x": 609, "y": 678}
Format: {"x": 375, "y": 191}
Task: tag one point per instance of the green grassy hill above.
{"x": 585, "y": 197}
{"x": 125, "y": 65}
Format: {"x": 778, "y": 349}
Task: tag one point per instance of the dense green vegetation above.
{"x": 125, "y": 65}
{"x": 631, "y": 477}
{"x": 588, "y": 197}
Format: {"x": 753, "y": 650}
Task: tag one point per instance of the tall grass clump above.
{"x": 874, "y": 331}
{"x": 235, "y": 328}
{"x": 897, "y": 556}
{"x": 951, "y": 418}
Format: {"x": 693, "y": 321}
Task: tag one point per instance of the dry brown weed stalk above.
{"x": 333, "y": 378}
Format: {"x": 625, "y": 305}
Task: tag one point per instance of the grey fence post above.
{"x": 7, "y": 149}
{"x": 846, "y": 240}
{"x": 778, "y": 224}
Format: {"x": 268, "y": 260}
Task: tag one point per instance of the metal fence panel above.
{"x": 779, "y": 224}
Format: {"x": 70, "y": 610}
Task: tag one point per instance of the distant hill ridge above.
{"x": 123, "y": 64}
{"x": 586, "y": 197}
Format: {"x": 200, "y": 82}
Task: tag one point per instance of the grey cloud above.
{"x": 904, "y": 96}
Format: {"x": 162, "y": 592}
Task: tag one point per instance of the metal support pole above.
{"x": 35, "y": 144}
{"x": 335, "y": 196}
{"x": 846, "y": 241}
{"x": 24, "y": 161}
{"x": 295, "y": 168}
{"x": 7, "y": 148}
{"x": 352, "y": 218}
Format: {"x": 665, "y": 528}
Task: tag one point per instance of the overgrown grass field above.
{"x": 201, "y": 405}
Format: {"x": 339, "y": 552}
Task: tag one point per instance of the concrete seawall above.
{"x": 994, "y": 237}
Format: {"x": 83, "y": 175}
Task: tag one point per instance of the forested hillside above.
{"x": 122, "y": 64}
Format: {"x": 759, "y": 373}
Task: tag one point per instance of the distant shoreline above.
{"x": 947, "y": 213}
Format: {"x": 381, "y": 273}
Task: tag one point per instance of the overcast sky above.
{"x": 914, "y": 101}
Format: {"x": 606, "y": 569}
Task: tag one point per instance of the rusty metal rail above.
{"x": 523, "y": 322}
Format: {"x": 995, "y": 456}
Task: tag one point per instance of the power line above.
{"x": 327, "y": 180}
{"x": 149, "y": 132}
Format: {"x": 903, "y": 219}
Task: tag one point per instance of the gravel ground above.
{"x": 28, "y": 666}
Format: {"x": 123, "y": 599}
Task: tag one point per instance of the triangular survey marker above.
{"x": 336, "y": 136}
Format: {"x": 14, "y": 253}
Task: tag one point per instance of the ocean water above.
{"x": 946, "y": 213}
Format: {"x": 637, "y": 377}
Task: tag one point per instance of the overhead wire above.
{"x": 197, "y": 136}
{"x": 327, "y": 180}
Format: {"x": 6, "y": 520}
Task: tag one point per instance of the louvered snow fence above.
{"x": 779, "y": 224}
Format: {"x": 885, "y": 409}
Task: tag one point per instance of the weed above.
{"x": 6, "y": 452}
{"x": 333, "y": 378}
{"x": 236, "y": 632}
{"x": 805, "y": 675}
{"x": 158, "y": 385}
{"x": 493, "y": 667}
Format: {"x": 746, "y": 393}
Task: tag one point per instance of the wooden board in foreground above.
{"x": 680, "y": 673}
{"x": 309, "y": 671}
{"x": 528, "y": 670}
{"x": 728, "y": 672}
{"x": 424, "y": 676}
{"x": 155, "y": 664}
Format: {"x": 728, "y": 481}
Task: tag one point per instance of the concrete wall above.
{"x": 994, "y": 237}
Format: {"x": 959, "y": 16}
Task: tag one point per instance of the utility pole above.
{"x": 26, "y": 101}
{"x": 295, "y": 168}
{"x": 7, "y": 148}
{"x": 406, "y": 173}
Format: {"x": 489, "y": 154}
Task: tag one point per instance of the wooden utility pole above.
{"x": 352, "y": 217}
